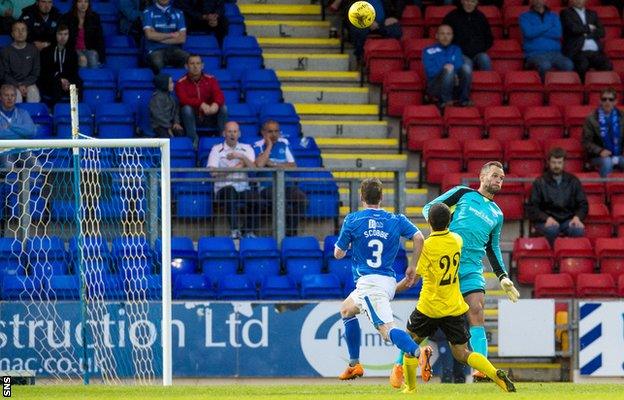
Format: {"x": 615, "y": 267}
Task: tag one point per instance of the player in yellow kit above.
{"x": 441, "y": 304}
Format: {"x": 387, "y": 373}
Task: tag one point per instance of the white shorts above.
{"x": 372, "y": 295}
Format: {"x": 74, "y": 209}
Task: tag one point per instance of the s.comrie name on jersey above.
{"x": 375, "y": 232}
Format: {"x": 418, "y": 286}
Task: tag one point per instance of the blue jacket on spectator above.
{"x": 540, "y": 33}
{"x": 436, "y": 55}
{"x": 16, "y": 124}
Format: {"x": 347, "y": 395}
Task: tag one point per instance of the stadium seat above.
{"x": 321, "y": 286}
{"x": 114, "y": 121}
{"x": 614, "y": 48}
{"x": 107, "y": 287}
{"x": 504, "y": 123}
{"x": 611, "y": 20}
{"x": 598, "y": 223}
{"x": 412, "y": 24}
{"x": 463, "y": 123}
{"x": 487, "y": 89}
{"x": 574, "y": 255}
{"x": 65, "y": 287}
{"x": 108, "y": 13}
{"x": 413, "y": 51}
{"x": 563, "y": 88}
{"x": 21, "y": 288}
{"x": 380, "y": 57}
{"x": 183, "y": 255}
{"x": 610, "y": 259}
{"x": 595, "y": 285}
{"x": 41, "y": 117}
{"x": 278, "y": 288}
{"x": 175, "y": 73}
{"x": 10, "y": 261}
{"x": 286, "y": 115}
{"x": 183, "y": 153}
{"x": 453, "y": 179}
{"x": 193, "y": 287}
{"x": 495, "y": 19}
{"x": 135, "y": 85}
{"x": 574, "y": 118}
{"x": 510, "y": 17}
{"x": 348, "y": 288}
{"x": 247, "y": 120}
{"x": 260, "y": 87}
{"x": 95, "y": 254}
{"x": 543, "y": 123}
{"x": 596, "y": 81}
{"x": 594, "y": 189}
{"x": 524, "y": 89}
{"x": 400, "y": 89}
{"x": 62, "y": 120}
{"x": 121, "y": 52}
{"x": 230, "y": 86}
{"x": 421, "y": 123}
{"x": 617, "y": 212}
{"x": 150, "y": 284}
{"x": 524, "y": 157}
{"x": 441, "y": 156}
{"x": 132, "y": 253}
{"x": 533, "y": 256}
{"x": 341, "y": 268}
{"x": 621, "y": 286}
{"x": 506, "y": 56}
{"x": 98, "y": 86}
{"x": 218, "y": 257}
{"x": 400, "y": 262}
{"x": 478, "y": 152}
{"x": 434, "y": 16}
{"x": 328, "y": 247}
{"x": 236, "y": 20}
{"x": 615, "y": 188}
{"x": 554, "y": 286}
{"x": 241, "y": 53}
{"x": 193, "y": 199}
{"x": 207, "y": 47}
{"x": 301, "y": 256}
{"x": 236, "y": 287}
{"x": 510, "y": 198}
{"x": 259, "y": 257}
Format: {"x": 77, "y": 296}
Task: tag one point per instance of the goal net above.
{"x": 85, "y": 233}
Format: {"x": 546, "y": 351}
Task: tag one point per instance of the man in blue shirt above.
{"x": 165, "y": 33}
{"x": 374, "y": 237}
{"x": 273, "y": 151}
{"x": 541, "y": 39}
{"x": 446, "y": 79}
{"x": 15, "y": 123}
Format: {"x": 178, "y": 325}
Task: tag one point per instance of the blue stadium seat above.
{"x": 183, "y": 255}
{"x": 62, "y": 120}
{"x": 341, "y": 268}
{"x": 98, "y": 86}
{"x": 10, "y": 262}
{"x": 193, "y": 286}
{"x": 400, "y": 262}
{"x": 241, "y": 53}
{"x": 349, "y": 286}
{"x": 286, "y": 115}
{"x": 207, "y": 47}
{"x": 193, "y": 199}
{"x": 114, "y": 121}
{"x": 63, "y": 6}
{"x": 46, "y": 247}
{"x": 174, "y": 73}
{"x": 41, "y": 117}
{"x": 236, "y": 287}
{"x": 131, "y": 254}
{"x": 121, "y": 52}
{"x": 278, "y": 288}
{"x": 236, "y": 21}
{"x": 218, "y": 257}
{"x": 261, "y": 87}
{"x": 301, "y": 256}
{"x": 205, "y": 146}
{"x": 151, "y": 285}
{"x": 323, "y": 205}
{"x": 321, "y": 286}
{"x": 136, "y": 85}
{"x": 246, "y": 117}
{"x": 230, "y": 86}
{"x": 108, "y": 16}
{"x": 94, "y": 249}
{"x": 411, "y": 293}
{"x": 65, "y": 287}
{"x": 328, "y": 247}
{"x": 18, "y": 287}
{"x": 260, "y": 257}
{"x": 37, "y": 202}
{"x": 182, "y": 152}
{"x": 5, "y": 40}
{"x": 108, "y": 287}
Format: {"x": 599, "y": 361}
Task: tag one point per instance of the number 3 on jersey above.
{"x": 377, "y": 246}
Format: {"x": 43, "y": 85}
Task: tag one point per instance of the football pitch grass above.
{"x": 351, "y": 390}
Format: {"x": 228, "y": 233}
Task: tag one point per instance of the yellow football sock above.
{"x": 410, "y": 364}
{"x": 480, "y": 363}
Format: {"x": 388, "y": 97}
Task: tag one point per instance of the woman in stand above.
{"x": 85, "y": 34}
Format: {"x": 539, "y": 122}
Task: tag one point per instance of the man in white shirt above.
{"x": 582, "y": 38}
{"x": 232, "y": 190}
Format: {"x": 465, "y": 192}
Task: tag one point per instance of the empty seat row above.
{"x": 586, "y": 286}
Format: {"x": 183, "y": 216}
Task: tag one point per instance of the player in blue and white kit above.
{"x": 374, "y": 236}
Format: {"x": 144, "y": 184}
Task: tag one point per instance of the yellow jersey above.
{"x": 438, "y": 266}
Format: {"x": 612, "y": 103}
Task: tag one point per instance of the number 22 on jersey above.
{"x": 450, "y": 265}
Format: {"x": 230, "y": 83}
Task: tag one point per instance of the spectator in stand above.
{"x": 6, "y": 16}
{"x": 130, "y": 22}
{"x": 541, "y": 39}
{"x": 205, "y": 16}
{"x": 232, "y": 190}
{"x": 603, "y": 133}
{"x": 59, "y": 68}
{"x": 447, "y": 81}
{"x": 164, "y": 109}
{"x": 165, "y": 33}
{"x": 582, "y": 38}
{"x": 273, "y": 151}
{"x": 557, "y": 204}
{"x": 41, "y": 19}
{"x": 473, "y": 35}
{"x": 20, "y": 64}
{"x": 85, "y": 34}
{"x": 15, "y": 123}
{"x": 201, "y": 99}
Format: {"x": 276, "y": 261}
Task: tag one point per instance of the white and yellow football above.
{"x": 361, "y": 14}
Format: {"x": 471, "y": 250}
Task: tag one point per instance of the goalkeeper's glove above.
{"x": 510, "y": 290}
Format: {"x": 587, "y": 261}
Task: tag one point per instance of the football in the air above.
{"x": 361, "y": 14}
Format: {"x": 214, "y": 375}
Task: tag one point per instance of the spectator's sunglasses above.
{"x": 605, "y": 99}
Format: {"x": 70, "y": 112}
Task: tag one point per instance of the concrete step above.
{"x": 272, "y": 10}
{"x": 287, "y": 28}
{"x": 348, "y": 144}
{"x": 307, "y": 77}
{"x": 384, "y": 176}
{"x": 345, "y": 128}
{"x": 413, "y": 197}
{"x": 324, "y": 110}
{"x": 325, "y": 94}
{"x": 307, "y": 61}
{"x": 306, "y": 44}
{"x": 365, "y": 160}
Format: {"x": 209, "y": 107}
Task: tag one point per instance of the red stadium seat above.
{"x": 495, "y": 19}
{"x": 554, "y": 286}
{"x": 504, "y": 123}
{"x": 595, "y": 81}
{"x": 441, "y": 156}
{"x": 533, "y": 256}
{"x": 615, "y": 188}
{"x": 574, "y": 255}
{"x": 595, "y": 285}
{"x": 610, "y": 18}
{"x": 510, "y": 17}
{"x": 574, "y": 118}
{"x": 563, "y": 89}
{"x": 487, "y": 89}
{"x": 434, "y": 16}
{"x": 422, "y": 123}
{"x": 401, "y": 88}
{"x": 621, "y": 286}
{"x": 506, "y": 56}
{"x": 381, "y": 56}
{"x": 413, "y": 52}
{"x": 453, "y": 179}
{"x": 598, "y": 223}
{"x": 543, "y": 123}
{"x": 510, "y": 199}
{"x": 594, "y": 189}
{"x": 574, "y": 152}
{"x": 617, "y": 212}
{"x": 412, "y": 24}
{"x": 610, "y": 256}
{"x": 524, "y": 89}
{"x": 524, "y": 157}
{"x": 463, "y": 123}
{"x": 478, "y": 152}
{"x": 615, "y": 51}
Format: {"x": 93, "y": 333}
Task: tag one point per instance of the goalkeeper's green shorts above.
{"x": 471, "y": 282}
